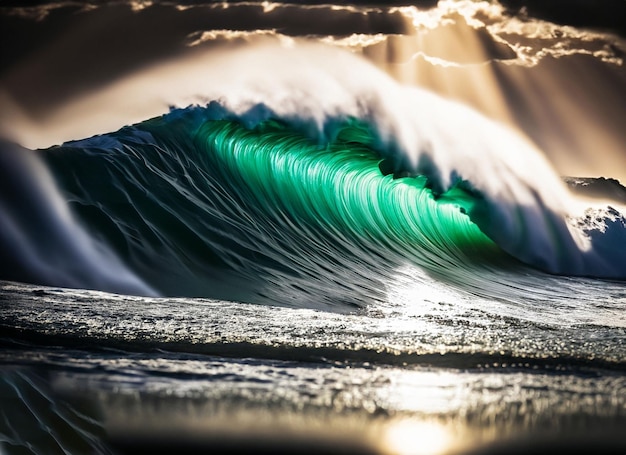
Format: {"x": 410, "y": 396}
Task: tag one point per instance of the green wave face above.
{"x": 339, "y": 191}
{"x": 204, "y": 207}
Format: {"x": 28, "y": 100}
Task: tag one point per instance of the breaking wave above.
{"x": 264, "y": 192}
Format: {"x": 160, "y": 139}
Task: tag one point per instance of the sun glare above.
{"x": 416, "y": 437}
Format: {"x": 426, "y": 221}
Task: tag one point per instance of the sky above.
{"x": 553, "y": 70}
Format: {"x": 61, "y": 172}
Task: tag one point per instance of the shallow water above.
{"x": 203, "y": 374}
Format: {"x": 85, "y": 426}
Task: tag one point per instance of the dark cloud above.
{"x": 70, "y": 49}
{"x": 604, "y": 14}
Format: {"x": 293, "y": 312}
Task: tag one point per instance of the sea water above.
{"x": 306, "y": 257}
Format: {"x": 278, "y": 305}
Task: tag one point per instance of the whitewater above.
{"x": 277, "y": 246}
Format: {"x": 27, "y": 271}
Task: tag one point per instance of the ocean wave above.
{"x": 271, "y": 193}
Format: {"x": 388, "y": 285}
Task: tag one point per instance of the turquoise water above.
{"x": 195, "y": 209}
